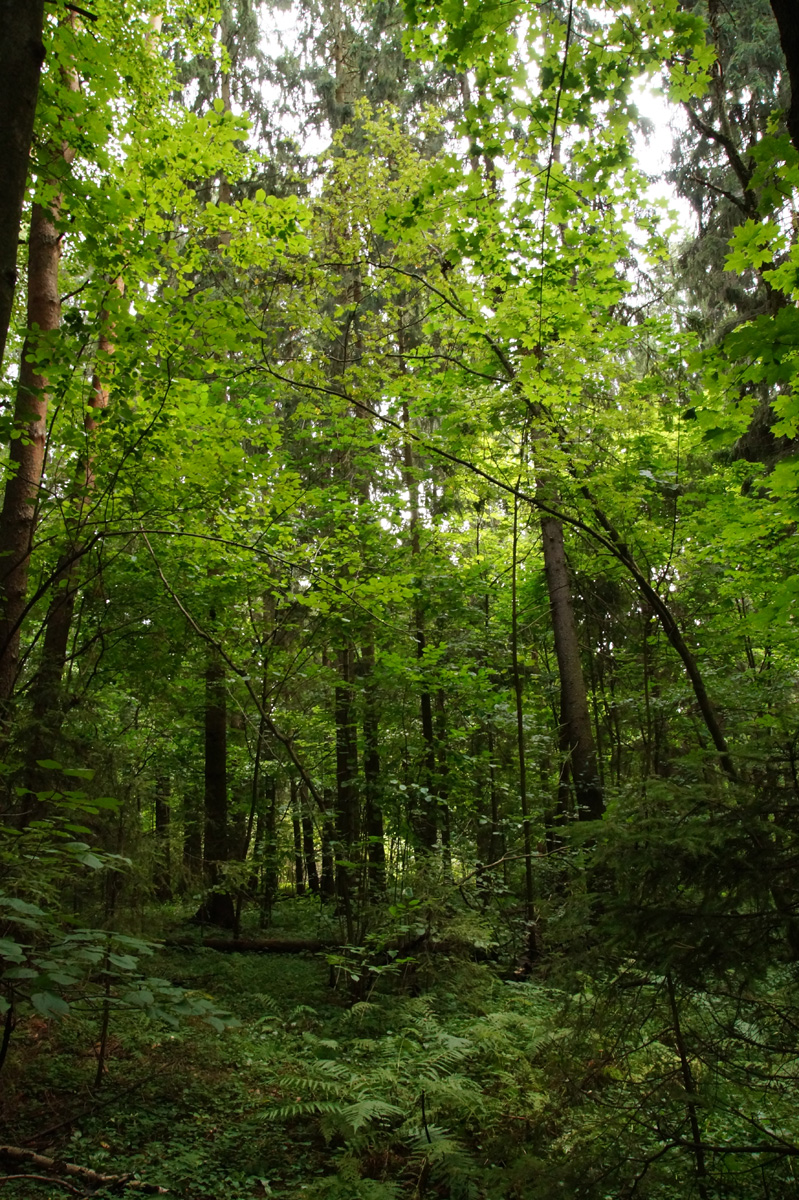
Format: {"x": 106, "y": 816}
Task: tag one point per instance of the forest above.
{"x": 399, "y": 725}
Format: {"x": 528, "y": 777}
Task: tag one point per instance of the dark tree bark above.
{"x": 21, "y": 56}
{"x": 442, "y": 781}
{"x": 787, "y": 17}
{"x": 20, "y": 499}
{"x": 308, "y": 849}
{"x": 218, "y": 908}
{"x": 327, "y": 883}
{"x": 163, "y": 823}
{"x": 489, "y": 839}
{"x": 521, "y": 750}
{"x": 270, "y": 876}
{"x": 296, "y": 826}
{"x": 192, "y": 835}
{"x": 372, "y": 808}
{"x": 576, "y": 735}
{"x": 347, "y": 815}
{"x": 423, "y": 815}
{"x": 215, "y": 761}
{"x": 46, "y": 698}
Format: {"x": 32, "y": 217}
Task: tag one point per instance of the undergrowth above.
{"x": 476, "y": 1089}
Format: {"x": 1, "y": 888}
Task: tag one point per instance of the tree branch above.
{"x": 731, "y": 150}
{"x": 16, "y": 1154}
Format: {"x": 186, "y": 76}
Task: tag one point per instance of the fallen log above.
{"x": 92, "y": 1179}
{"x": 266, "y": 945}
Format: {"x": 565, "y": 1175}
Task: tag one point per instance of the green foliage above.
{"x": 51, "y": 966}
{"x": 340, "y": 385}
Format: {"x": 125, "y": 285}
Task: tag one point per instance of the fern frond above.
{"x": 363, "y": 1112}
{"x": 302, "y": 1108}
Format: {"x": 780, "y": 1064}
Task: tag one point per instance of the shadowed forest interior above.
{"x": 399, "y": 729}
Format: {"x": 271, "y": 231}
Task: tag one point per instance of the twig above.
{"x": 45, "y": 1179}
{"x": 490, "y": 866}
{"x": 86, "y": 1175}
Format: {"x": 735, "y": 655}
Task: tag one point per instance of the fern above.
{"x": 301, "y": 1108}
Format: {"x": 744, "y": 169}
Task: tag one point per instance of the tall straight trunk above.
{"x": 489, "y": 840}
{"x": 442, "y": 780}
{"x": 46, "y": 702}
{"x": 26, "y": 458}
{"x": 163, "y": 833}
{"x": 372, "y": 788}
{"x": 372, "y": 808}
{"x": 308, "y": 848}
{"x": 327, "y": 883}
{"x": 518, "y": 692}
{"x": 46, "y": 687}
{"x": 296, "y": 827}
{"x": 192, "y": 835}
{"x": 270, "y": 876}
{"x": 576, "y": 735}
{"x": 347, "y": 815}
{"x": 423, "y": 815}
{"x": 215, "y": 762}
{"x": 21, "y": 56}
{"x": 788, "y": 24}
{"x": 218, "y": 907}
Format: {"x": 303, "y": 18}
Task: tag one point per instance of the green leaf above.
{"x": 12, "y": 950}
{"x": 48, "y": 1005}
{"x": 20, "y": 906}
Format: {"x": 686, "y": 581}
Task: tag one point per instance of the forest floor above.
{"x": 309, "y": 1093}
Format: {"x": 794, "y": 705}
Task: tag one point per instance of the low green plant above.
{"x": 49, "y": 964}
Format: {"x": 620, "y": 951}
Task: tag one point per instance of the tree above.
{"x": 21, "y": 61}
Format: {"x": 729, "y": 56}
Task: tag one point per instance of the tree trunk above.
{"x": 26, "y": 458}
{"x": 327, "y": 884}
{"x": 442, "y": 782}
{"x": 218, "y": 908}
{"x": 489, "y": 839}
{"x": 296, "y": 826}
{"x": 20, "y": 500}
{"x": 270, "y": 876}
{"x": 21, "y": 56}
{"x": 192, "y": 836}
{"x": 422, "y": 817}
{"x": 347, "y": 822}
{"x": 163, "y": 849}
{"x": 529, "y": 894}
{"x": 788, "y": 23}
{"x": 309, "y": 852}
{"x": 46, "y": 699}
{"x": 373, "y": 811}
{"x": 576, "y": 735}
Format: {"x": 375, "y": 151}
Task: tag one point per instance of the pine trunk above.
{"x": 218, "y": 907}
{"x": 26, "y": 457}
{"x": 347, "y": 815}
{"x": 423, "y": 815}
{"x": 308, "y": 849}
{"x": 296, "y": 827}
{"x": 20, "y": 500}
{"x": 46, "y": 699}
{"x": 373, "y": 811}
{"x": 576, "y": 736}
{"x": 21, "y": 57}
{"x": 163, "y": 849}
